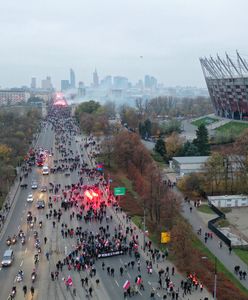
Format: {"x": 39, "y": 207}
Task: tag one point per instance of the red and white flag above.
{"x": 69, "y": 281}
{"x": 126, "y": 285}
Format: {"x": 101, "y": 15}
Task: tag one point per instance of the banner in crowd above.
{"x": 112, "y": 253}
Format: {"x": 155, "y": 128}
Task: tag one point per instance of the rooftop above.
{"x": 227, "y": 197}
{"x": 191, "y": 159}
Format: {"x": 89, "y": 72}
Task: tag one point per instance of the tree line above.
{"x": 175, "y": 145}
{"x": 225, "y": 172}
{"x": 162, "y": 205}
{"x": 16, "y": 134}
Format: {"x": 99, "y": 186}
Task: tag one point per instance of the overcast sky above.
{"x": 47, "y": 37}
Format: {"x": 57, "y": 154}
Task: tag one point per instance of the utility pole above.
{"x": 215, "y": 277}
{"x": 144, "y": 227}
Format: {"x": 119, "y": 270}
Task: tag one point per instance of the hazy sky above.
{"x": 47, "y": 37}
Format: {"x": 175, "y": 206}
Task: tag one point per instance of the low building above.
{"x": 229, "y": 200}
{"x": 13, "y": 96}
{"x": 188, "y": 164}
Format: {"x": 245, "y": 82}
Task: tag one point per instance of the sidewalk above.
{"x": 222, "y": 254}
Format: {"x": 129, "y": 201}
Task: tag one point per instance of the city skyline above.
{"x": 159, "y": 38}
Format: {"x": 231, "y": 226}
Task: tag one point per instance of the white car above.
{"x": 30, "y": 198}
{"x": 45, "y": 170}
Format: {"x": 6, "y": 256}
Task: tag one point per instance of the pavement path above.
{"x": 222, "y": 254}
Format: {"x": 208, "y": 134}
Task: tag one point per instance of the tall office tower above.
{"x": 65, "y": 85}
{"x": 46, "y": 84}
{"x": 72, "y": 79}
{"x": 153, "y": 82}
{"x": 81, "y": 89}
{"x": 33, "y": 83}
{"x": 147, "y": 81}
{"x": 120, "y": 82}
{"x": 95, "y": 79}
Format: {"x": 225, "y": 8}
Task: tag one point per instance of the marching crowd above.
{"x": 87, "y": 204}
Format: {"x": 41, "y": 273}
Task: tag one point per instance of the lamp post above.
{"x": 215, "y": 276}
{"x": 144, "y": 223}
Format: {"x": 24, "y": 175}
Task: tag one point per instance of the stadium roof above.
{"x": 219, "y": 68}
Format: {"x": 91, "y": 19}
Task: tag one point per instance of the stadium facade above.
{"x": 227, "y": 82}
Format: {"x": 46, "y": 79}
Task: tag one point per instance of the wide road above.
{"x": 110, "y": 287}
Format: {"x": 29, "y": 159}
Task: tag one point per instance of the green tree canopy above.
{"x": 160, "y": 148}
{"x": 88, "y": 107}
{"x": 201, "y": 140}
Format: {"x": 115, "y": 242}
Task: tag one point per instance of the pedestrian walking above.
{"x": 52, "y": 276}
{"x": 32, "y": 291}
{"x": 24, "y": 290}
{"x": 90, "y": 291}
{"x": 45, "y": 240}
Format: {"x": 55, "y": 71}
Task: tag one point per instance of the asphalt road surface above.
{"x": 110, "y": 287}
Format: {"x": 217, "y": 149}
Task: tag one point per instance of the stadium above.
{"x": 227, "y": 82}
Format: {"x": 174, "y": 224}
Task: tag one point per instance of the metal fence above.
{"x": 211, "y": 225}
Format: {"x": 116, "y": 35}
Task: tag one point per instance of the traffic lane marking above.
{"x": 21, "y": 263}
{"x": 117, "y": 283}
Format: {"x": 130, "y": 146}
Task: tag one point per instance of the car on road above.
{"x": 40, "y": 204}
{"x": 45, "y": 170}
{"x": 8, "y": 257}
{"x": 30, "y": 198}
{"x": 34, "y": 185}
{"x": 43, "y": 188}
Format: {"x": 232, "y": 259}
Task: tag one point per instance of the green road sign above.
{"x": 119, "y": 191}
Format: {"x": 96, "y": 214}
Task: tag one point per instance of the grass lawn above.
{"x": 158, "y": 158}
{"x": 243, "y": 254}
{"x": 128, "y": 184}
{"x": 206, "y": 121}
{"x": 204, "y": 208}
{"x": 223, "y": 223}
{"x": 138, "y": 220}
{"x": 233, "y": 127}
{"x": 220, "y": 267}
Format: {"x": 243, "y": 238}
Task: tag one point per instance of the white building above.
{"x": 13, "y": 96}
{"x": 229, "y": 200}
{"x": 188, "y": 164}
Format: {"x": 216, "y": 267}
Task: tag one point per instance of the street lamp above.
{"x": 215, "y": 275}
{"x": 144, "y": 228}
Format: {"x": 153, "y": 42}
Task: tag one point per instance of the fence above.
{"x": 211, "y": 225}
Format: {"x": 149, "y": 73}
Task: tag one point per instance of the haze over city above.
{"x": 47, "y": 38}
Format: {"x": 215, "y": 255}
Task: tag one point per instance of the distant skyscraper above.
{"x": 46, "y": 84}
{"x": 33, "y": 83}
{"x": 147, "y": 81}
{"x": 72, "y": 79}
{"x": 81, "y": 89}
{"x": 95, "y": 79}
{"x": 65, "y": 85}
{"x": 120, "y": 82}
{"x": 150, "y": 82}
